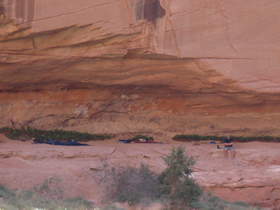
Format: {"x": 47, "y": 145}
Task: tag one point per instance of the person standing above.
{"x": 229, "y": 150}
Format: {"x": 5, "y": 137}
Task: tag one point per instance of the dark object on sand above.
{"x": 59, "y": 143}
{"x": 144, "y": 141}
{"x": 126, "y": 141}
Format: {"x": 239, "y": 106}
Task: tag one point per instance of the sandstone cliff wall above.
{"x": 209, "y": 57}
{"x": 160, "y": 67}
{"x": 237, "y": 38}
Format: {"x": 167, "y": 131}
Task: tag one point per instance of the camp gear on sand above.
{"x": 140, "y": 140}
{"x": 57, "y": 142}
{"x": 125, "y": 141}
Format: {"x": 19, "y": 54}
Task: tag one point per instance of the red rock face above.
{"x": 159, "y": 66}
{"x": 209, "y": 56}
{"x": 238, "y": 38}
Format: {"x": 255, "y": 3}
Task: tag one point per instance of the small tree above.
{"x": 177, "y": 186}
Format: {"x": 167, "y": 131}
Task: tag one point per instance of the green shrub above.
{"x": 42, "y": 197}
{"x": 111, "y": 207}
{"x": 133, "y": 185}
{"x": 177, "y": 186}
{"x": 50, "y": 189}
{"x": 174, "y": 185}
{"x": 77, "y": 203}
{"x": 6, "y": 193}
{"x": 62, "y": 135}
{"x": 210, "y": 202}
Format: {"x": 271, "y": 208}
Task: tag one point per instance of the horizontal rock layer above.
{"x": 82, "y": 77}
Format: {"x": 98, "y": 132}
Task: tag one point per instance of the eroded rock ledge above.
{"x": 81, "y": 77}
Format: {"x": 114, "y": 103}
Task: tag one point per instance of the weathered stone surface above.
{"x": 237, "y": 38}
{"x": 181, "y": 59}
{"x": 152, "y": 66}
{"x": 252, "y": 176}
{"x": 240, "y": 38}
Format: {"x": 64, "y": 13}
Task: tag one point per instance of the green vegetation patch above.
{"x": 210, "y": 202}
{"x": 44, "y": 197}
{"x": 174, "y": 188}
{"x": 133, "y": 185}
{"x": 193, "y": 137}
{"x": 62, "y": 135}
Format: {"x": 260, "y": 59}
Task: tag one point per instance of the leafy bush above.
{"x": 77, "y": 203}
{"x": 177, "y": 186}
{"x": 112, "y": 207}
{"x": 210, "y": 202}
{"x": 194, "y": 137}
{"x": 6, "y": 193}
{"x": 50, "y": 189}
{"x": 174, "y": 185}
{"x": 133, "y": 185}
{"x": 26, "y": 200}
{"x": 29, "y": 133}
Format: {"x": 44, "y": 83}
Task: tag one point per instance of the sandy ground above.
{"x": 252, "y": 176}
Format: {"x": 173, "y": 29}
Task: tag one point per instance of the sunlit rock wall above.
{"x": 237, "y": 38}
{"x": 228, "y": 59}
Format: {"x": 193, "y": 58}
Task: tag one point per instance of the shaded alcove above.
{"x": 149, "y": 10}
{"x": 2, "y": 7}
{"x": 22, "y": 11}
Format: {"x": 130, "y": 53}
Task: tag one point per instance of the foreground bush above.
{"x": 133, "y": 185}
{"x": 210, "y": 202}
{"x": 34, "y": 199}
{"x": 184, "y": 137}
{"x": 29, "y": 133}
{"x": 173, "y": 186}
{"x": 176, "y": 183}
